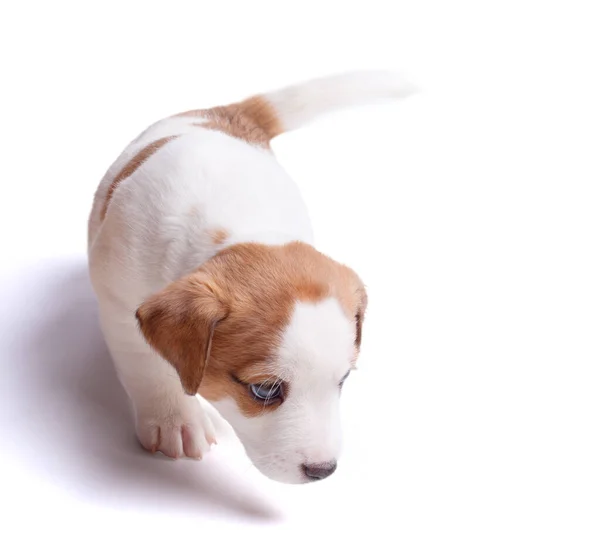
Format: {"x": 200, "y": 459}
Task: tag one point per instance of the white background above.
{"x": 471, "y": 211}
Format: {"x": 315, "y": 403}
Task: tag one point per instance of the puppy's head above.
{"x": 268, "y": 334}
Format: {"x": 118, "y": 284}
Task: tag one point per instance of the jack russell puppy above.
{"x": 201, "y": 256}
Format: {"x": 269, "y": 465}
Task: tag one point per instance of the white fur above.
{"x": 157, "y": 229}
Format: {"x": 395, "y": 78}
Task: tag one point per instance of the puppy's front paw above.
{"x": 185, "y": 430}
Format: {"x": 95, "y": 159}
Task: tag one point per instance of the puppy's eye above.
{"x": 266, "y": 393}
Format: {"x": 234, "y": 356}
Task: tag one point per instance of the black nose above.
{"x": 318, "y": 471}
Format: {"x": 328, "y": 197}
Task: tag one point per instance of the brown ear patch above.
{"x": 136, "y": 161}
{"x": 254, "y": 120}
{"x": 179, "y": 323}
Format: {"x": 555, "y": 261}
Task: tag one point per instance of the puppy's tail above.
{"x": 276, "y": 112}
{"x": 300, "y": 104}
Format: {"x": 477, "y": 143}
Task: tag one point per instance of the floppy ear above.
{"x": 360, "y": 315}
{"x": 179, "y": 322}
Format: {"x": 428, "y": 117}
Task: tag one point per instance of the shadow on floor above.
{"x": 66, "y": 418}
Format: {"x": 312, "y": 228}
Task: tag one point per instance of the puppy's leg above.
{"x": 166, "y": 419}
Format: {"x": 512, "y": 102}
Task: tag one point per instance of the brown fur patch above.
{"x": 136, "y": 161}
{"x": 225, "y": 318}
{"x": 218, "y": 236}
{"x": 254, "y": 120}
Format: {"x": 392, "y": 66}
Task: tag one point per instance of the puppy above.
{"x": 201, "y": 256}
